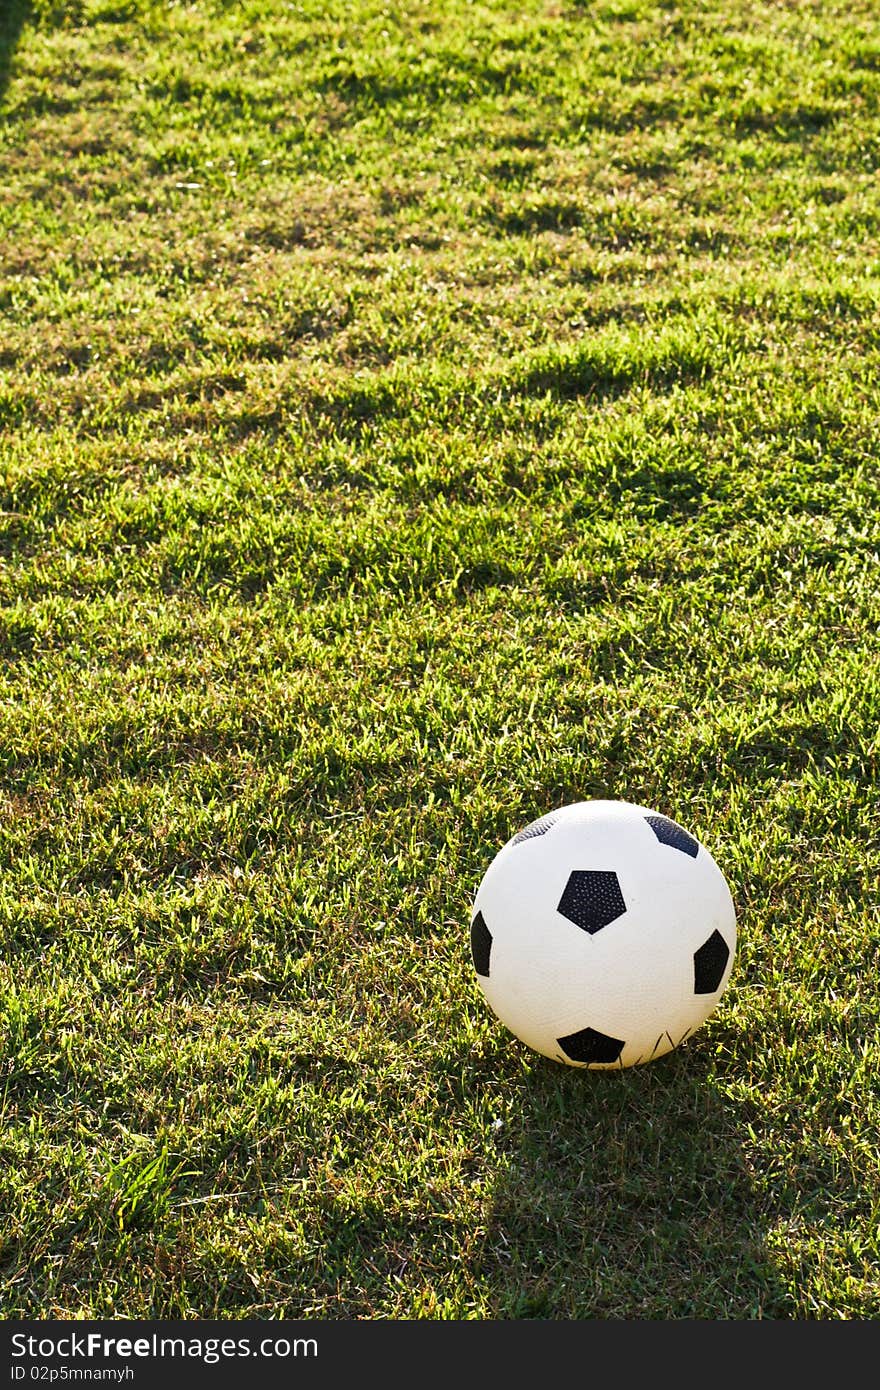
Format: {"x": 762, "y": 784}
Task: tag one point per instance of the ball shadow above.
{"x": 627, "y": 1195}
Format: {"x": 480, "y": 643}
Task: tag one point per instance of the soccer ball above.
{"x": 603, "y": 934}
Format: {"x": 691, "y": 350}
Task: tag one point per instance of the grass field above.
{"x": 413, "y": 418}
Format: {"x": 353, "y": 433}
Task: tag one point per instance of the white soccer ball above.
{"x": 603, "y": 934}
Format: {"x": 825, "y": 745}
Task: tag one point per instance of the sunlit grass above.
{"x": 413, "y": 419}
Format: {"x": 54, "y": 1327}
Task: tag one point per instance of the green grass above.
{"x": 412, "y": 419}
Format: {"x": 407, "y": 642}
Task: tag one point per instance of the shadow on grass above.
{"x": 627, "y": 1195}
{"x": 14, "y": 14}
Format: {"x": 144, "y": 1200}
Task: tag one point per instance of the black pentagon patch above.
{"x": 481, "y": 945}
{"x": 590, "y": 1046}
{"x": 669, "y": 833}
{"x": 592, "y": 899}
{"x": 535, "y": 827}
{"x": 710, "y": 963}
